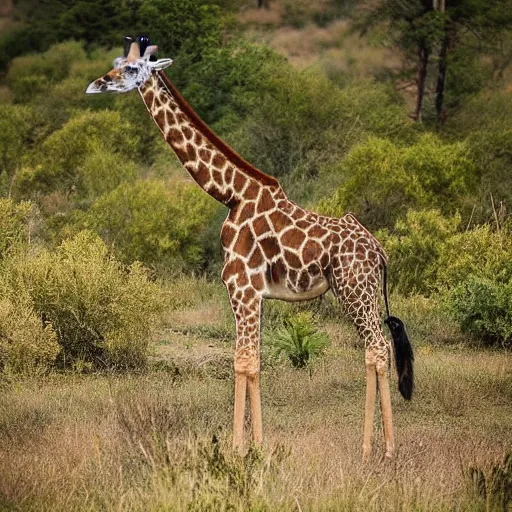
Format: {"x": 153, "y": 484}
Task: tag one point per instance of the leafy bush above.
{"x": 102, "y": 312}
{"x": 475, "y": 269}
{"x": 383, "y": 180}
{"x": 491, "y": 151}
{"x": 301, "y": 122}
{"x": 480, "y": 252}
{"x": 414, "y": 248}
{"x": 299, "y": 340}
{"x": 14, "y": 220}
{"x": 33, "y": 74}
{"x": 59, "y": 161}
{"x": 488, "y": 111}
{"x": 26, "y": 345}
{"x": 483, "y": 307}
{"x": 15, "y": 131}
{"x": 152, "y": 221}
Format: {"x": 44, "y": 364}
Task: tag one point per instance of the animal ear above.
{"x": 150, "y": 51}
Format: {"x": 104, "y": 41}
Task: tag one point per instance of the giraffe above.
{"x": 273, "y": 248}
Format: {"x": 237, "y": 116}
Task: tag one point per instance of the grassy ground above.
{"x": 160, "y": 441}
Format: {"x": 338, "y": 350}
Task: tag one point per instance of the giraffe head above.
{"x": 132, "y": 70}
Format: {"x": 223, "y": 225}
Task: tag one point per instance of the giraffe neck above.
{"x": 215, "y": 167}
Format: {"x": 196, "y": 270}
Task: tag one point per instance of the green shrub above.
{"x": 26, "y": 345}
{"x": 14, "y": 224}
{"x": 59, "y": 161}
{"x": 414, "y": 248}
{"x": 159, "y": 223}
{"x": 489, "y": 111}
{"x": 383, "y": 180}
{"x": 301, "y": 122}
{"x": 16, "y": 127}
{"x": 299, "y": 340}
{"x": 34, "y": 74}
{"x": 475, "y": 275}
{"x": 480, "y": 252}
{"x": 102, "y": 312}
{"x": 483, "y": 307}
{"x": 491, "y": 151}
{"x": 102, "y": 171}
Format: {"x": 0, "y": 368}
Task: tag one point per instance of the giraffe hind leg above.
{"x": 361, "y": 304}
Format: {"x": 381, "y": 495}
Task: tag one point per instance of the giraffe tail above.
{"x": 404, "y": 356}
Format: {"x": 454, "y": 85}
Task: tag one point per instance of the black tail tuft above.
{"x": 404, "y": 356}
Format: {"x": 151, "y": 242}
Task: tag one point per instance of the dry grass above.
{"x": 161, "y": 442}
{"x": 334, "y": 46}
{"x": 271, "y": 17}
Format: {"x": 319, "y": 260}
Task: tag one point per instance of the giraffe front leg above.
{"x": 239, "y": 410}
{"x": 246, "y": 307}
{"x": 255, "y": 399}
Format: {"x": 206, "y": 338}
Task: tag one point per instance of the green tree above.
{"x": 184, "y": 26}
{"x": 456, "y": 32}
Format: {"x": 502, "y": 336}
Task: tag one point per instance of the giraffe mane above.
{"x": 232, "y": 155}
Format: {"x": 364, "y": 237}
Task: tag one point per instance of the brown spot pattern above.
{"x": 311, "y": 252}
{"x": 256, "y": 258}
{"x": 219, "y": 160}
{"x": 279, "y": 220}
{"x": 244, "y": 242}
{"x": 260, "y": 226}
{"x": 266, "y": 202}
{"x": 293, "y": 238}
{"x": 270, "y": 247}
{"x": 246, "y": 213}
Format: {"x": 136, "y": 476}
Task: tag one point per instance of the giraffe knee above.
{"x": 370, "y": 358}
{"x": 382, "y": 362}
{"x": 247, "y": 364}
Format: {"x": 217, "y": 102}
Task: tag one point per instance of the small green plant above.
{"x": 300, "y": 340}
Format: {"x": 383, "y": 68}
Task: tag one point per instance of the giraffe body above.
{"x": 275, "y": 249}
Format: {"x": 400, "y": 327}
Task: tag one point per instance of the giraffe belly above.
{"x": 282, "y": 292}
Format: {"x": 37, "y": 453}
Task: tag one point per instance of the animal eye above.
{"x": 130, "y": 69}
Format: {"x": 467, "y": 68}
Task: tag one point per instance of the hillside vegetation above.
{"x": 110, "y": 293}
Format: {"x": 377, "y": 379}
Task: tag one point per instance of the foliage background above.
{"x": 334, "y": 120}
{"x": 116, "y": 335}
